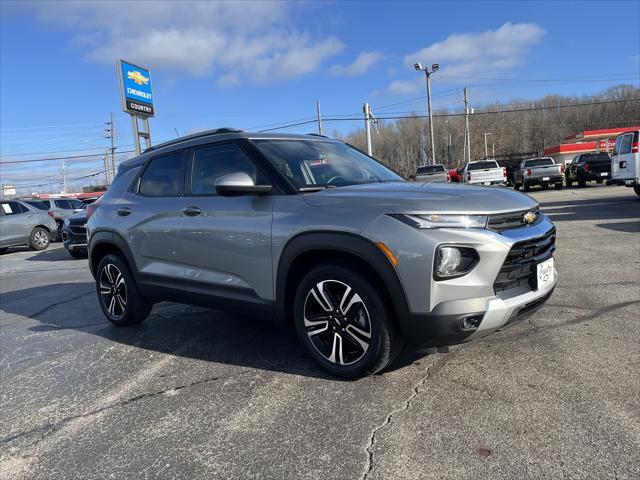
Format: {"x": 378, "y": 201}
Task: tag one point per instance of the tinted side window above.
{"x": 211, "y": 163}
{"x": 62, "y": 204}
{"x": 11, "y": 208}
{"x": 46, "y": 203}
{"x": 38, "y": 205}
{"x": 162, "y": 176}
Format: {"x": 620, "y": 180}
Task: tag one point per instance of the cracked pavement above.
{"x": 195, "y": 393}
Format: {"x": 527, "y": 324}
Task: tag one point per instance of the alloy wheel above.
{"x": 113, "y": 290}
{"x": 337, "y": 322}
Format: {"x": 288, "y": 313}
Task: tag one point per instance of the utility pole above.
{"x": 486, "y": 148}
{"x": 110, "y": 165}
{"x": 427, "y": 73}
{"x": 467, "y": 134}
{"x": 366, "y": 109}
{"x": 107, "y": 169}
{"x": 64, "y": 178}
{"x": 319, "y": 117}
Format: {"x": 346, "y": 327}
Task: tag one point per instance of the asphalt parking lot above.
{"x": 193, "y": 393}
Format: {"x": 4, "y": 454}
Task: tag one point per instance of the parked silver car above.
{"x": 61, "y": 209}
{"x": 24, "y": 224}
{"x": 318, "y": 235}
{"x": 432, "y": 173}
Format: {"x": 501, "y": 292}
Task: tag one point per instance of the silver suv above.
{"x": 22, "y": 223}
{"x": 314, "y": 233}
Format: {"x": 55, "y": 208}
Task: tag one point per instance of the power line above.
{"x": 62, "y": 158}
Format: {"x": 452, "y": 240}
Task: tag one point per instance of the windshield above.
{"x": 482, "y": 165}
{"x": 73, "y": 203}
{"x": 540, "y": 162}
{"x": 430, "y": 169}
{"x": 311, "y": 164}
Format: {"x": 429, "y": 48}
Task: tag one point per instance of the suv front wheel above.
{"x": 118, "y": 294}
{"x": 344, "y": 323}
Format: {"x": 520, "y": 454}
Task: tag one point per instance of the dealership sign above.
{"x": 135, "y": 88}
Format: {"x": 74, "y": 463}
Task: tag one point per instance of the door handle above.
{"x": 192, "y": 211}
{"x": 124, "y": 211}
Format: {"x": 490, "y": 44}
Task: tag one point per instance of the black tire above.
{"x": 568, "y": 181}
{"x": 78, "y": 252}
{"x": 118, "y": 294}
{"x": 516, "y": 186}
{"x": 39, "y": 239}
{"x": 558, "y": 186}
{"x": 366, "y": 313}
{"x": 3, "y": 250}
{"x": 636, "y": 189}
{"x": 545, "y": 186}
{"x": 582, "y": 182}
{"x": 525, "y": 186}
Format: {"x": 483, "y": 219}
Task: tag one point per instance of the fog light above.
{"x": 451, "y": 262}
{"x": 471, "y": 323}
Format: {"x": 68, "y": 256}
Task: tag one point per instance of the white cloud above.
{"x": 404, "y": 87}
{"x": 236, "y": 41}
{"x": 471, "y": 55}
{"x": 474, "y": 54}
{"x": 360, "y": 65}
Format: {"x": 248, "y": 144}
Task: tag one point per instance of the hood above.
{"x": 78, "y": 217}
{"x": 405, "y": 197}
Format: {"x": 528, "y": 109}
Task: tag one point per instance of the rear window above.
{"x": 430, "y": 169}
{"x": 539, "y": 162}
{"x": 37, "y": 204}
{"x": 602, "y": 157}
{"x": 46, "y": 203}
{"x": 482, "y": 165}
{"x": 64, "y": 204}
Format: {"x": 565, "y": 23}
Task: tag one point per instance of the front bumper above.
{"x": 73, "y": 240}
{"x": 443, "y": 328}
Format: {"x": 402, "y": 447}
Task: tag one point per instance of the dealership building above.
{"x": 586, "y": 142}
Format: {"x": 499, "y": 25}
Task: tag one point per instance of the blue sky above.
{"x": 245, "y": 64}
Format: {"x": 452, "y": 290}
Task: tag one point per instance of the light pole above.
{"x": 427, "y": 73}
{"x": 486, "y": 149}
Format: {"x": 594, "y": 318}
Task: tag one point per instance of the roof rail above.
{"x": 206, "y": 133}
{"x": 318, "y": 135}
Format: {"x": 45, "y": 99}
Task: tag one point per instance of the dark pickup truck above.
{"x": 588, "y": 167}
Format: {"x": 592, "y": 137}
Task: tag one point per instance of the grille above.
{"x": 519, "y": 268}
{"x": 78, "y": 229}
{"x": 509, "y": 220}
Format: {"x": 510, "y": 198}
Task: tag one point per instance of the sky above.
{"x": 255, "y": 65}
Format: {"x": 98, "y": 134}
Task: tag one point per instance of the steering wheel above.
{"x": 335, "y": 179}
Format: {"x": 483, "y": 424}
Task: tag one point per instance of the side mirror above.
{"x": 239, "y": 183}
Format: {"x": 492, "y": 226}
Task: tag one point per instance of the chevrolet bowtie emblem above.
{"x": 529, "y": 218}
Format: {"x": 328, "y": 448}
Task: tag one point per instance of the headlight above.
{"x": 436, "y": 220}
{"x": 452, "y": 262}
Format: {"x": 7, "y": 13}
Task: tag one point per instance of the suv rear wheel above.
{"x": 344, "y": 323}
{"x": 118, "y": 294}
{"x": 39, "y": 239}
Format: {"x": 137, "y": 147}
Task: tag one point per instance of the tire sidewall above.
{"x": 33, "y": 245}
{"x": 132, "y": 292}
{"x": 380, "y": 341}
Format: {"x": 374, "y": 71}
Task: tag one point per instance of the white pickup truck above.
{"x": 484, "y": 172}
